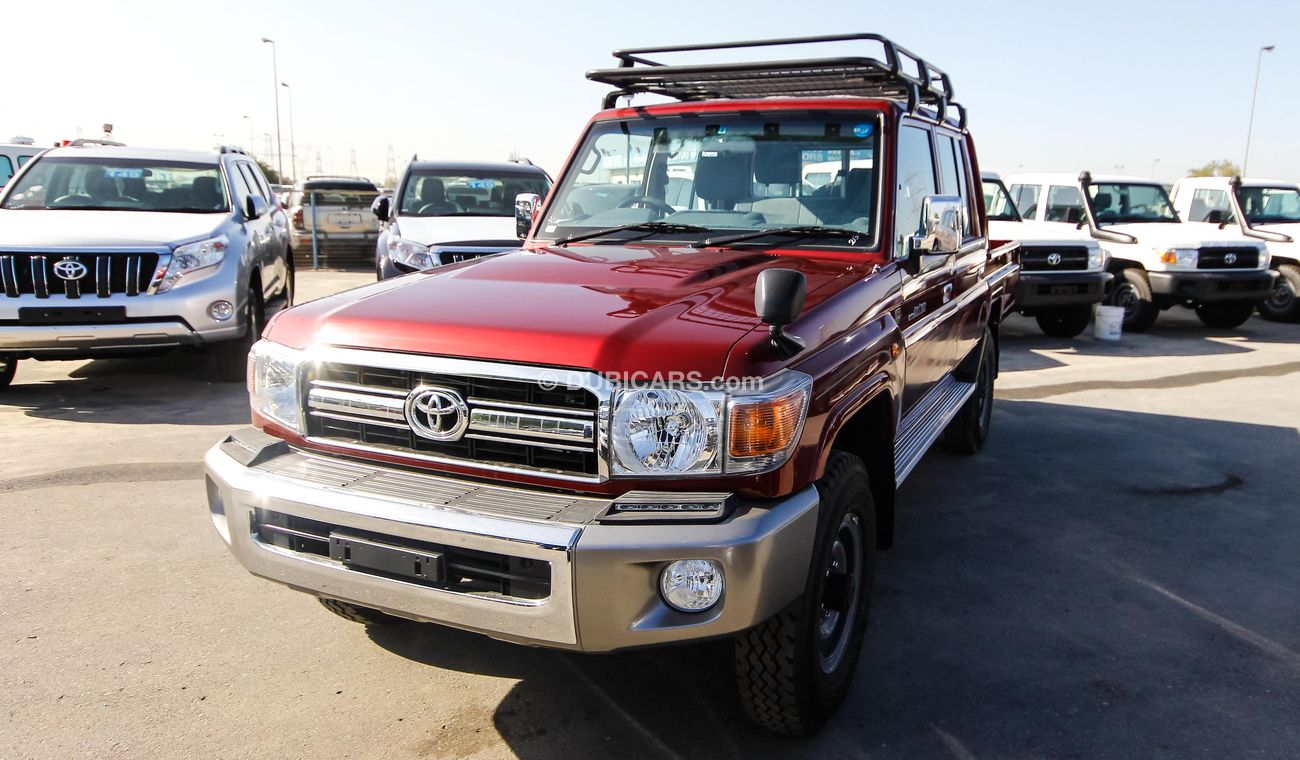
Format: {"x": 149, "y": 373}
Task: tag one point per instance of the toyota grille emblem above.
{"x": 70, "y": 269}
{"x": 439, "y": 414}
{"x": 1053, "y": 259}
{"x": 1229, "y": 258}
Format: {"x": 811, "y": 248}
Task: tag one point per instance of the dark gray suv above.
{"x": 110, "y": 250}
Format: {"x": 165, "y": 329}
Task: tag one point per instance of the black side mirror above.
{"x": 778, "y": 300}
{"x": 380, "y": 208}
{"x": 254, "y": 207}
{"x": 1074, "y": 215}
{"x": 526, "y": 205}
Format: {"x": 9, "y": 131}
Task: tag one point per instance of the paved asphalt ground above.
{"x": 1114, "y": 577}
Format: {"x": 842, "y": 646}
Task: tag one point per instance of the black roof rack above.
{"x": 898, "y": 74}
{"x": 82, "y": 142}
{"x": 233, "y": 149}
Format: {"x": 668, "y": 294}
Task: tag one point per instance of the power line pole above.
{"x": 352, "y": 163}
{"x": 1250, "y": 126}
{"x": 279, "y": 143}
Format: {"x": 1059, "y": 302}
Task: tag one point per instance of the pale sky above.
{"x": 1107, "y": 86}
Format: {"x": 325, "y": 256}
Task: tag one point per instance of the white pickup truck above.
{"x": 1062, "y": 270}
{"x": 1158, "y": 260}
{"x": 1263, "y": 209}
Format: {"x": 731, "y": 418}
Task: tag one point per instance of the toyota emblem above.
{"x": 1229, "y": 258}
{"x": 439, "y": 414}
{"x": 70, "y": 269}
{"x": 1053, "y": 259}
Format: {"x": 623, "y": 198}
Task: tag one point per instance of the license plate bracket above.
{"x": 71, "y": 315}
{"x": 377, "y": 556}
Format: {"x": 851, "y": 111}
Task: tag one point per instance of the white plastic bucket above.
{"x": 1108, "y": 322}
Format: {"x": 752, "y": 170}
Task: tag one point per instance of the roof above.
{"x": 1247, "y": 182}
{"x": 130, "y": 151}
{"x": 478, "y": 166}
{"x": 1072, "y": 178}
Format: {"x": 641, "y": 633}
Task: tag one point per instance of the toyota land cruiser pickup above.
{"x": 1062, "y": 272}
{"x": 650, "y": 424}
{"x": 110, "y": 250}
{"x": 1158, "y": 260}
{"x": 1264, "y": 209}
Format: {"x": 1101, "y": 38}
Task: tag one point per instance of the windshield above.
{"x": 723, "y": 172}
{"x": 997, "y": 203}
{"x": 1119, "y": 202}
{"x": 1270, "y": 205}
{"x": 120, "y": 184}
{"x": 460, "y": 192}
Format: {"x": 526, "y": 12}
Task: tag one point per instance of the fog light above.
{"x": 691, "y": 585}
{"x": 221, "y": 310}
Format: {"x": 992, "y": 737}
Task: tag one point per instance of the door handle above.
{"x": 947, "y": 292}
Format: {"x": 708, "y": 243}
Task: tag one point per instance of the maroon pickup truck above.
{"x": 680, "y": 411}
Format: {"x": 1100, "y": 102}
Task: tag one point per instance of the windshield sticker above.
{"x": 862, "y": 130}
{"x": 482, "y": 184}
{"x": 123, "y": 173}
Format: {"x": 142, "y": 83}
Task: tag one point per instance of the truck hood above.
{"x": 605, "y": 308}
{"x": 40, "y": 227}
{"x": 1049, "y": 233}
{"x": 1181, "y": 234}
{"x": 439, "y": 230}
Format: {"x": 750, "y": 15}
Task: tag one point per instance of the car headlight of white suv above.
{"x": 273, "y": 383}
{"x": 410, "y": 253}
{"x": 193, "y": 261}
{"x": 1096, "y": 258}
{"x": 667, "y": 431}
{"x": 1183, "y": 258}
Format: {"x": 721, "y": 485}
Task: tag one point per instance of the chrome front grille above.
{"x": 513, "y": 422}
{"x": 101, "y": 274}
{"x": 1223, "y": 257}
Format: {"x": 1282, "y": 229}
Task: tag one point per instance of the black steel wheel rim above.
{"x": 841, "y": 594}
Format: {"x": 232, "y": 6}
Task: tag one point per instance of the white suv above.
{"x": 1158, "y": 261}
{"x": 1264, "y": 209}
{"x": 1062, "y": 270}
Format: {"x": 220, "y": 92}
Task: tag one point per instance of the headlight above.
{"x": 192, "y": 258}
{"x": 273, "y": 382}
{"x": 1096, "y": 258}
{"x": 679, "y": 431}
{"x": 410, "y": 253}
{"x": 1178, "y": 257}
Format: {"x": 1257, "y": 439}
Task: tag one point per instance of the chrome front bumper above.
{"x": 603, "y": 593}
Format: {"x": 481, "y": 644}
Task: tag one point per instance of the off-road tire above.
{"x": 1225, "y": 315}
{"x": 1132, "y": 292}
{"x": 1066, "y": 322}
{"x": 358, "y": 614}
{"x": 232, "y": 356}
{"x": 781, "y": 666}
{"x": 968, "y": 431}
{"x": 8, "y": 366}
{"x": 1284, "y": 306}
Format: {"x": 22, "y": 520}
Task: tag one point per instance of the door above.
{"x": 259, "y": 230}
{"x": 277, "y": 259}
{"x": 968, "y": 292}
{"x": 927, "y": 292}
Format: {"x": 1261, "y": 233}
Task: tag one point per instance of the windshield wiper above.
{"x": 637, "y": 227}
{"x": 803, "y": 231}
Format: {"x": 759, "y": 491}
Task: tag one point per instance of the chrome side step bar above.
{"x": 926, "y": 422}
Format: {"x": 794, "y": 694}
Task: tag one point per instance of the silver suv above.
{"x": 113, "y": 250}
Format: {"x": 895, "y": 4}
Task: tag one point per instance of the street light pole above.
{"x": 1250, "y": 125}
{"x": 293, "y": 147}
{"x": 279, "y": 143}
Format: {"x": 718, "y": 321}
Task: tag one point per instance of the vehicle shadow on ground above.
{"x": 1176, "y": 335}
{"x": 1102, "y": 584}
{"x": 178, "y": 388}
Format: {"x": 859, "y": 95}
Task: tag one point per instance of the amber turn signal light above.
{"x": 767, "y": 427}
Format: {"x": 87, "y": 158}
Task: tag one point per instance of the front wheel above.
{"x": 232, "y": 356}
{"x": 1225, "y": 315}
{"x": 1065, "y": 322}
{"x": 8, "y": 367}
{"x": 1132, "y": 292}
{"x": 794, "y": 669}
{"x": 969, "y": 430}
{"x": 1284, "y": 303}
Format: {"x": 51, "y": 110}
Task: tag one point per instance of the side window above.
{"x": 1064, "y": 204}
{"x": 22, "y": 161}
{"x": 1026, "y": 199}
{"x": 1210, "y": 205}
{"x": 915, "y": 182}
{"x": 238, "y": 184}
{"x": 260, "y": 180}
{"x": 6, "y": 169}
{"x": 952, "y": 165}
{"x": 250, "y": 179}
